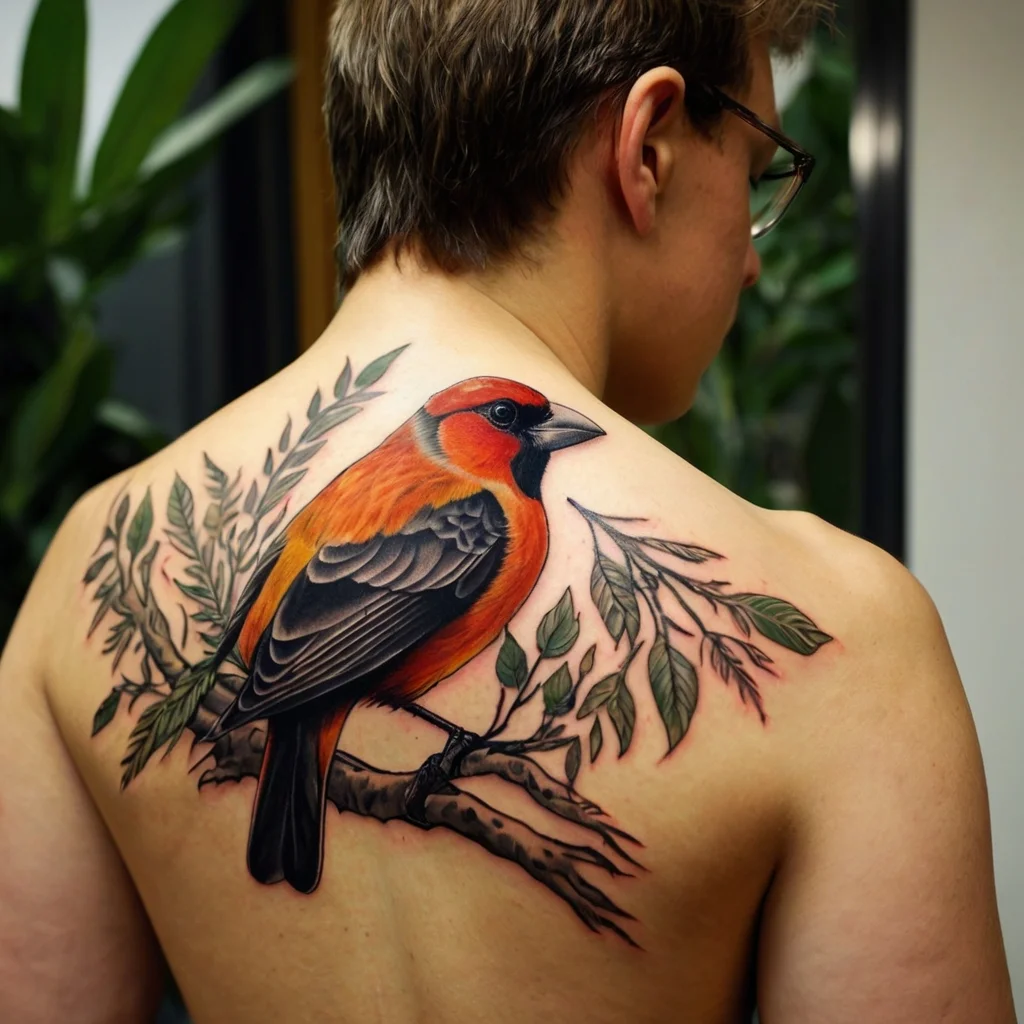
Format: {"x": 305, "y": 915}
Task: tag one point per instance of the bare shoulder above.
{"x": 891, "y": 627}
{"x": 891, "y": 683}
{"x": 63, "y": 874}
{"x": 883, "y": 905}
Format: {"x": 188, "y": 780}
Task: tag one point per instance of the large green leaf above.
{"x": 557, "y": 689}
{"x": 39, "y": 420}
{"x": 158, "y": 86}
{"x": 599, "y": 695}
{"x": 559, "y": 628}
{"x": 196, "y": 131}
{"x": 52, "y": 91}
{"x": 140, "y": 526}
{"x": 780, "y": 621}
{"x": 76, "y": 432}
{"x": 612, "y": 591}
{"x": 622, "y": 712}
{"x": 675, "y": 688}
{"x": 511, "y": 665}
{"x": 375, "y": 370}
{"x": 109, "y": 238}
{"x": 22, "y": 201}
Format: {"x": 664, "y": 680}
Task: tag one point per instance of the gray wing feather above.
{"x": 359, "y": 607}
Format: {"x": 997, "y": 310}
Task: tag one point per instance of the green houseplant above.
{"x": 775, "y": 418}
{"x": 65, "y": 235}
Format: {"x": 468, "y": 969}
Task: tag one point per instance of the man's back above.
{"x": 710, "y": 735}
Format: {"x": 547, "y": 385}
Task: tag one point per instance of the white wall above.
{"x": 967, "y": 385}
{"x": 117, "y": 29}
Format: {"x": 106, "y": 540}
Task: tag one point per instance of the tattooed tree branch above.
{"x": 371, "y": 792}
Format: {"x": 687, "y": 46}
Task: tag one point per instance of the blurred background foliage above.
{"x": 67, "y": 231}
{"x": 776, "y": 416}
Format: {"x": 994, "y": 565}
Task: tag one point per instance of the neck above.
{"x": 549, "y": 312}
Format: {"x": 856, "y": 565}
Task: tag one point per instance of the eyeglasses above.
{"x": 772, "y": 193}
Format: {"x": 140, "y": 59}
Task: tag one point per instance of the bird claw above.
{"x": 437, "y": 771}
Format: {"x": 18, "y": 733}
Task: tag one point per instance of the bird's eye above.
{"x": 503, "y": 414}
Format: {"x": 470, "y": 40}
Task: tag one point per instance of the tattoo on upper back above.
{"x": 406, "y": 566}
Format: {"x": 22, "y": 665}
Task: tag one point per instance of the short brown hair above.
{"x": 452, "y": 122}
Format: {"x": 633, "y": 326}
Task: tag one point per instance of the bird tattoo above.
{"x": 401, "y": 570}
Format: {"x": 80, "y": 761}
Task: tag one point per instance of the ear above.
{"x": 644, "y": 151}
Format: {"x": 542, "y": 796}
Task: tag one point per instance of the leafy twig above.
{"x": 618, "y": 590}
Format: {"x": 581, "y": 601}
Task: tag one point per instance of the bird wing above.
{"x": 359, "y": 607}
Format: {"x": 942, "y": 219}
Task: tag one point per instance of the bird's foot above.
{"x": 437, "y": 771}
{"x": 460, "y": 743}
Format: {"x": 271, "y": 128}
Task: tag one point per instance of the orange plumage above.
{"x": 401, "y": 570}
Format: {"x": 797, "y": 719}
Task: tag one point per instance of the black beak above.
{"x": 564, "y": 428}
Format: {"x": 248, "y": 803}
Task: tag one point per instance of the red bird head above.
{"x": 500, "y": 430}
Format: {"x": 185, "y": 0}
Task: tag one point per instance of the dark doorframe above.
{"x": 880, "y": 143}
{"x": 240, "y": 299}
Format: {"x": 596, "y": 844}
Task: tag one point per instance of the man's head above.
{"x": 464, "y": 129}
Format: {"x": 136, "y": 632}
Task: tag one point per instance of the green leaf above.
{"x": 40, "y": 418}
{"x": 344, "y": 381}
{"x": 106, "y": 711}
{"x": 94, "y": 570}
{"x": 596, "y": 740}
{"x": 612, "y": 591}
{"x": 511, "y": 666}
{"x": 286, "y": 437}
{"x": 573, "y": 757}
{"x": 102, "y": 608}
{"x": 122, "y": 513}
{"x": 141, "y": 524}
{"x": 111, "y": 234}
{"x": 329, "y": 420}
{"x": 375, "y": 370}
{"x": 279, "y": 490}
{"x": 599, "y": 695}
{"x": 163, "y": 722}
{"x": 300, "y": 456}
{"x": 559, "y": 628}
{"x": 314, "y": 407}
{"x": 268, "y": 463}
{"x": 587, "y": 662}
{"x": 197, "y": 130}
{"x": 674, "y": 685}
{"x": 217, "y": 475}
{"x": 158, "y": 86}
{"x": 251, "y": 499}
{"x": 780, "y": 621}
{"x": 52, "y": 93}
{"x": 23, "y": 197}
{"x": 622, "y": 712}
{"x": 181, "y": 506}
{"x": 557, "y": 688}
{"x": 126, "y": 420}
{"x": 198, "y": 593}
{"x": 75, "y": 440}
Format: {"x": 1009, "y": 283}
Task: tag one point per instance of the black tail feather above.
{"x": 286, "y": 835}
